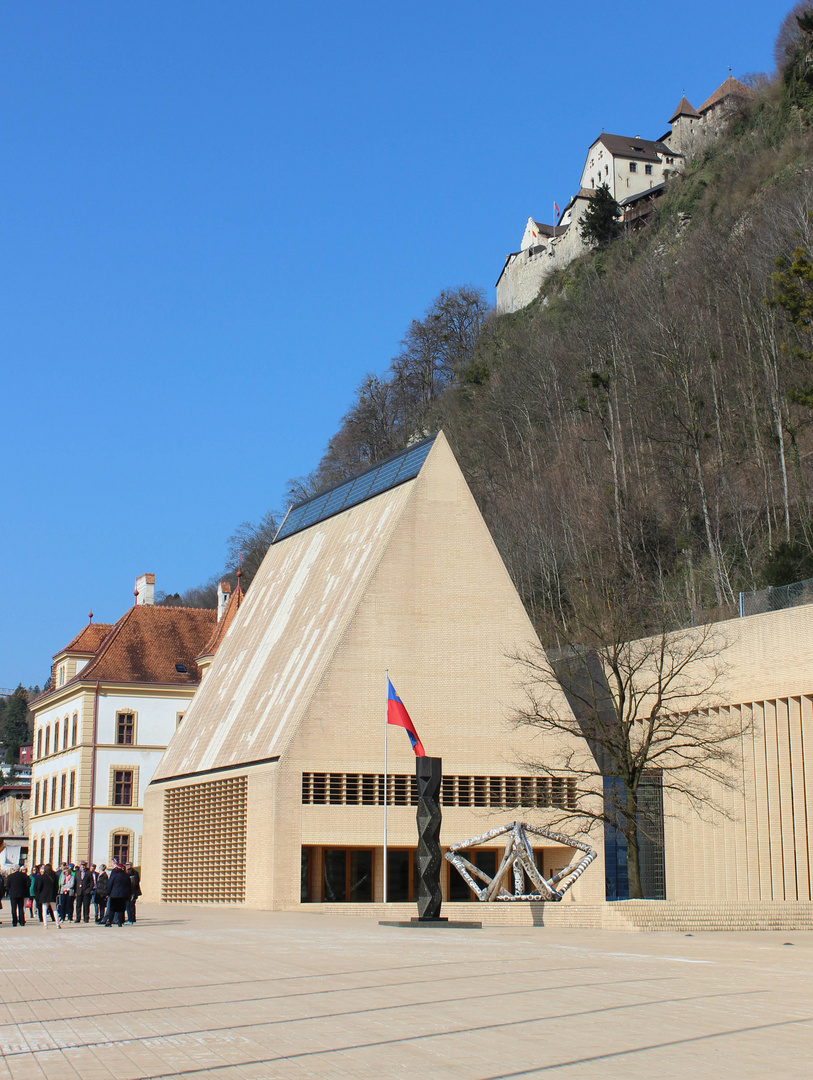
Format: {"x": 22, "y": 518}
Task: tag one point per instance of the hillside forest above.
{"x": 645, "y": 427}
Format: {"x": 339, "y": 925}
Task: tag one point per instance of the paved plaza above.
{"x": 200, "y": 993}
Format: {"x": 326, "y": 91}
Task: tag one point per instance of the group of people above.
{"x": 66, "y": 894}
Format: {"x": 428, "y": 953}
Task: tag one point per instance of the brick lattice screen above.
{"x": 205, "y": 843}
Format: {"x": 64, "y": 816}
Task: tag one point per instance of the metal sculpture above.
{"x": 519, "y": 858}
{"x": 428, "y": 772}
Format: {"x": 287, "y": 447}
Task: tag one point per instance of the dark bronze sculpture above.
{"x": 429, "y": 771}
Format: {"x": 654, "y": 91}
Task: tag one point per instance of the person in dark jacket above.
{"x": 135, "y": 892}
{"x": 46, "y": 888}
{"x": 119, "y": 888}
{"x": 84, "y": 891}
{"x": 17, "y": 885}
{"x": 100, "y": 898}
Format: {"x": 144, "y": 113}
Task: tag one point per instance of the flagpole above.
{"x": 386, "y": 727}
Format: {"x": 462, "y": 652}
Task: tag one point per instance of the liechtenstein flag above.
{"x": 397, "y": 714}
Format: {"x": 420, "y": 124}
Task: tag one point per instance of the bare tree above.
{"x": 633, "y": 709}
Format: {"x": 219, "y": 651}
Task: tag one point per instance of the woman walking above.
{"x": 46, "y": 888}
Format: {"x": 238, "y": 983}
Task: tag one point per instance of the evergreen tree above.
{"x": 599, "y": 223}
{"x": 15, "y": 723}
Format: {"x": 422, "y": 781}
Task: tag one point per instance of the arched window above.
{"x": 51, "y": 842}
{"x": 39, "y": 744}
{"x": 75, "y": 737}
{"x": 65, "y": 734}
{"x": 48, "y": 740}
{"x": 61, "y": 847}
{"x": 56, "y": 737}
{"x": 122, "y": 845}
{"x": 69, "y": 856}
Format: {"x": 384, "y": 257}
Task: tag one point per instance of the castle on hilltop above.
{"x": 635, "y": 170}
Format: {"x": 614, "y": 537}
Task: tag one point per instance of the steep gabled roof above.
{"x": 88, "y": 640}
{"x": 550, "y": 230}
{"x": 684, "y": 108}
{"x": 148, "y": 642}
{"x": 730, "y": 88}
{"x": 638, "y": 149}
{"x": 212, "y": 645}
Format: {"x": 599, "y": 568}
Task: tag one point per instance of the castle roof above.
{"x": 638, "y": 149}
{"x": 730, "y": 88}
{"x": 684, "y": 108}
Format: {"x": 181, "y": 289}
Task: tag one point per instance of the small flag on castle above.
{"x": 555, "y": 211}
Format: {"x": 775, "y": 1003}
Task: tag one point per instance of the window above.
{"x": 36, "y": 799}
{"x": 178, "y": 719}
{"x": 62, "y": 789}
{"x": 633, "y": 166}
{"x": 606, "y": 170}
{"x": 125, "y": 727}
{"x": 121, "y": 847}
{"x": 75, "y": 733}
{"x": 61, "y": 847}
{"x": 53, "y": 793}
{"x": 39, "y": 744}
{"x": 65, "y": 734}
{"x": 56, "y": 737}
{"x": 648, "y": 170}
{"x": 348, "y": 876}
{"x": 51, "y": 850}
{"x": 72, "y": 798}
{"x": 69, "y": 855}
{"x": 47, "y": 741}
{"x": 123, "y": 787}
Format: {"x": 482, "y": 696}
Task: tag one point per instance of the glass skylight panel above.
{"x": 394, "y": 470}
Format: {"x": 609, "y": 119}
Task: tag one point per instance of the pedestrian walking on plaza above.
{"x": 118, "y": 892}
{"x": 46, "y": 889}
{"x": 135, "y": 892}
{"x": 84, "y": 891}
{"x": 100, "y": 898}
{"x": 67, "y": 893}
{"x": 32, "y": 877}
{"x": 18, "y": 884}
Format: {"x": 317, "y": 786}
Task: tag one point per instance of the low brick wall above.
{"x": 627, "y": 915}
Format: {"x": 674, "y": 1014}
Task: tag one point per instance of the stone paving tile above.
{"x": 233, "y": 995}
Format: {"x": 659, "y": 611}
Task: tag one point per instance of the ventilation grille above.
{"x": 500, "y": 792}
{"x": 205, "y": 843}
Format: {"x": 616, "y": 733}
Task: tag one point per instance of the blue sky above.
{"x": 217, "y": 217}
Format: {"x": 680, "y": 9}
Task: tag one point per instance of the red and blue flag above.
{"x": 397, "y": 714}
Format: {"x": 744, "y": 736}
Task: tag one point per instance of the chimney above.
{"x": 223, "y": 597}
{"x": 145, "y": 589}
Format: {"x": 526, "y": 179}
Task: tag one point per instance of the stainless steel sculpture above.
{"x": 519, "y": 857}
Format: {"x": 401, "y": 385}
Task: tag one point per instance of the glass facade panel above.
{"x": 335, "y": 876}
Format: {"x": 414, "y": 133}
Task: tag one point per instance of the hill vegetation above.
{"x": 643, "y": 429}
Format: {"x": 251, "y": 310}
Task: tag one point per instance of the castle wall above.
{"x": 526, "y": 271}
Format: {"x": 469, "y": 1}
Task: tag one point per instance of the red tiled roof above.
{"x": 148, "y": 642}
{"x": 88, "y": 639}
{"x": 730, "y": 88}
{"x": 211, "y": 646}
